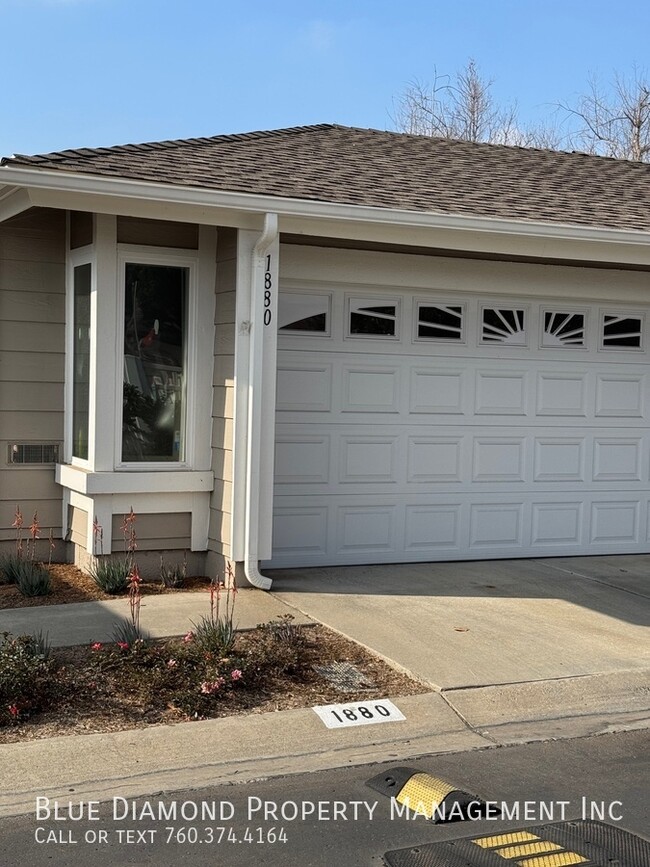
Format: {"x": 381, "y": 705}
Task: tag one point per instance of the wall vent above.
{"x": 33, "y": 453}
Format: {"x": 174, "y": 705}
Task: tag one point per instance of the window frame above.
{"x": 561, "y": 310}
{"x": 75, "y": 259}
{"x": 165, "y": 257}
{"x": 375, "y": 300}
{"x": 625, "y": 314}
{"x": 502, "y": 344}
{"x": 461, "y": 340}
{"x": 296, "y": 332}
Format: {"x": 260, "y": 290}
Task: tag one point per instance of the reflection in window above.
{"x": 373, "y": 318}
{"x": 503, "y": 325}
{"x": 303, "y": 313}
{"x": 621, "y": 332}
{"x": 154, "y": 363}
{"x": 81, "y": 361}
{"x": 440, "y": 321}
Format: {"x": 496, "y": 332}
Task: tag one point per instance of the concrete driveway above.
{"x": 506, "y": 642}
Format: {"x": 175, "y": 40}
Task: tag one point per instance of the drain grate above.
{"x": 344, "y": 676}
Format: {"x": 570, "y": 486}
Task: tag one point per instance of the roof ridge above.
{"x": 168, "y": 144}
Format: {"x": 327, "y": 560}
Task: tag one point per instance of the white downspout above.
{"x": 255, "y": 422}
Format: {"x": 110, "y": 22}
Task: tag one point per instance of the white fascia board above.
{"x": 326, "y": 213}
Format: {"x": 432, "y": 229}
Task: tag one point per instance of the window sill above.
{"x": 133, "y": 481}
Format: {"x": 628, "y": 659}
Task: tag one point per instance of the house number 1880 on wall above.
{"x": 268, "y": 288}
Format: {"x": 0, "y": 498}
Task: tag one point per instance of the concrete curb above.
{"x": 229, "y": 750}
{"x": 243, "y": 748}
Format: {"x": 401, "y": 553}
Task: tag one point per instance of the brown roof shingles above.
{"x": 331, "y": 163}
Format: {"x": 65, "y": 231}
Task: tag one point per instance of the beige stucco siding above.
{"x": 223, "y": 394}
{"x": 32, "y": 346}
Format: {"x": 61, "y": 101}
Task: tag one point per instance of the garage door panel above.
{"x": 371, "y": 389}
{"x": 410, "y": 449}
{"x": 499, "y": 393}
{"x": 438, "y": 392}
{"x": 562, "y": 394}
{"x": 620, "y": 396}
{"x": 557, "y": 524}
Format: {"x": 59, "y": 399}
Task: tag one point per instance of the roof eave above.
{"x": 51, "y": 188}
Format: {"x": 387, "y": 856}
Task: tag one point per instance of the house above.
{"x": 325, "y": 345}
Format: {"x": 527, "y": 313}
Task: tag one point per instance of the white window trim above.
{"x": 618, "y": 311}
{"x": 428, "y": 302}
{"x": 141, "y": 255}
{"x": 294, "y": 332}
{"x": 498, "y": 305}
{"x": 574, "y": 311}
{"x": 375, "y": 301}
{"x": 76, "y": 258}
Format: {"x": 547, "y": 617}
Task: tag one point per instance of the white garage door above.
{"x": 414, "y": 427}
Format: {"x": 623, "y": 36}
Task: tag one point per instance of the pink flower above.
{"x": 96, "y": 646}
{"x": 188, "y": 637}
{"x": 123, "y": 645}
{"x": 13, "y": 710}
{"x": 210, "y": 686}
{"x": 235, "y": 674}
{"x": 171, "y": 663}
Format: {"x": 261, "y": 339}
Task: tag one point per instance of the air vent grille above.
{"x": 33, "y": 453}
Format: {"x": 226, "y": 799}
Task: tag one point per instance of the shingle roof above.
{"x": 331, "y": 163}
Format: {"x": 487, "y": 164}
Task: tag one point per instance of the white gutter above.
{"x": 255, "y": 421}
{"x": 73, "y": 182}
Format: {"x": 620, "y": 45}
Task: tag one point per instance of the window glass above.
{"x": 155, "y": 316}
{"x": 503, "y": 325}
{"x": 563, "y": 329}
{"x": 375, "y": 318}
{"x": 440, "y": 321}
{"x": 621, "y": 332}
{"x": 81, "y": 361}
{"x": 299, "y": 313}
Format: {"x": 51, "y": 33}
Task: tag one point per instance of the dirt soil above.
{"x": 70, "y": 584}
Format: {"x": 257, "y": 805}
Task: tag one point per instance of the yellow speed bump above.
{"x": 416, "y": 793}
{"x": 556, "y": 844}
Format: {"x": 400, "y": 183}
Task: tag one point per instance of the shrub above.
{"x": 26, "y": 681}
{"x": 127, "y": 632}
{"x": 33, "y": 579}
{"x": 215, "y": 636}
{"x": 9, "y": 566}
{"x": 172, "y": 576}
{"x": 111, "y": 576}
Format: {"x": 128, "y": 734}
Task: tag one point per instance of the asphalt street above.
{"x": 333, "y": 817}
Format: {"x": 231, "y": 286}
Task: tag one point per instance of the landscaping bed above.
{"x": 70, "y": 584}
{"x": 103, "y": 688}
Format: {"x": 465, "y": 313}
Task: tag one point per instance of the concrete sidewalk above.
{"x": 514, "y": 651}
{"x": 161, "y": 616}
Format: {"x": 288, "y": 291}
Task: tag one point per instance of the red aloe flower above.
{"x": 18, "y": 520}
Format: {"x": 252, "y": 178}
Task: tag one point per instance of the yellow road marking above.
{"x": 560, "y": 859}
{"x": 528, "y": 849}
{"x": 504, "y": 839}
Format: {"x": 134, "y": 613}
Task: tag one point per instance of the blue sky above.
{"x": 101, "y": 72}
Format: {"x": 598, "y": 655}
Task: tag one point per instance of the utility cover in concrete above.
{"x": 345, "y": 676}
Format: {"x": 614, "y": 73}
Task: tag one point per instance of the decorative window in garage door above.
{"x": 621, "y": 332}
{"x": 503, "y": 325}
{"x": 562, "y": 328}
{"x": 371, "y": 317}
{"x": 304, "y": 313}
{"x": 440, "y": 321}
